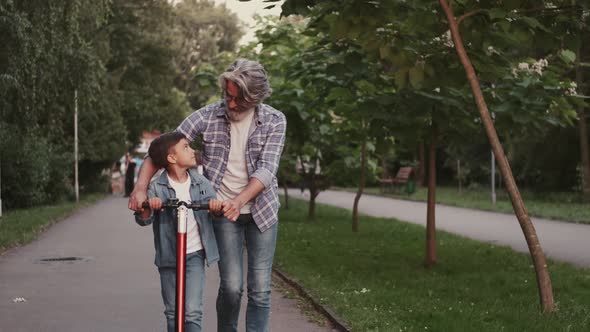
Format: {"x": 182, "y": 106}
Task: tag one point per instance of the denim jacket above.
{"x": 165, "y": 222}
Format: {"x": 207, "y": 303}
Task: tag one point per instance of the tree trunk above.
{"x": 286, "y": 195}
{"x": 459, "y": 176}
{"x": 431, "y": 205}
{"x": 355, "y": 210}
{"x": 538, "y": 257}
{"x": 582, "y": 127}
{"x": 312, "y": 196}
{"x": 422, "y": 169}
{"x": 385, "y": 174}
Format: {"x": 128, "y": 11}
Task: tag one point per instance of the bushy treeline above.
{"x": 131, "y": 63}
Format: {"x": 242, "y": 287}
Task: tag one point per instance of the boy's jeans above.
{"x": 261, "y": 248}
{"x": 195, "y": 282}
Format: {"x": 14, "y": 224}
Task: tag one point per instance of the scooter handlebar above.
{"x": 174, "y": 204}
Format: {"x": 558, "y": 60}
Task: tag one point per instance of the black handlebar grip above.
{"x": 174, "y": 204}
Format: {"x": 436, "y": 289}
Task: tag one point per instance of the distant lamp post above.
{"x": 493, "y": 168}
{"x": 493, "y": 179}
{"x": 76, "y": 188}
{"x": 0, "y": 188}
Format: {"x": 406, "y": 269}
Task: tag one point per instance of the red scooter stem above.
{"x": 181, "y": 266}
{"x": 180, "y": 280}
{"x": 182, "y": 209}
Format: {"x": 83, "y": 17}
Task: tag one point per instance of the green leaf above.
{"x": 533, "y": 23}
{"x": 365, "y": 86}
{"x": 400, "y": 78}
{"x": 385, "y": 100}
{"x": 416, "y": 77}
{"x": 298, "y": 105}
{"x": 568, "y": 56}
{"x": 496, "y": 13}
{"x": 384, "y": 52}
{"x": 304, "y": 115}
{"x": 339, "y": 93}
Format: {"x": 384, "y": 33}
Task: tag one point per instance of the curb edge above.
{"x": 338, "y": 323}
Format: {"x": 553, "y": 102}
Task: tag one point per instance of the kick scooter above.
{"x": 182, "y": 208}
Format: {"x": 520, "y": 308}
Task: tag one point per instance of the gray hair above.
{"x": 250, "y": 77}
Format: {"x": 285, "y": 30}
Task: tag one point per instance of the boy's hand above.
{"x": 155, "y": 203}
{"x": 215, "y": 207}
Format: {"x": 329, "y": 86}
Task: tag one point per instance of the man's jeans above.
{"x": 261, "y": 248}
{"x": 195, "y": 282}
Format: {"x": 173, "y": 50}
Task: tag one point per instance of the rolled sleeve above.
{"x": 264, "y": 176}
{"x": 149, "y": 220}
{"x": 144, "y": 221}
{"x": 268, "y": 163}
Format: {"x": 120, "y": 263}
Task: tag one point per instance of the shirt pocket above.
{"x": 213, "y": 146}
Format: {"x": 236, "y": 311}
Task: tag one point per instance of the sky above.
{"x": 246, "y": 11}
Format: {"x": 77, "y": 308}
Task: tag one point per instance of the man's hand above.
{"x": 215, "y": 206}
{"x": 231, "y": 209}
{"x": 137, "y": 197}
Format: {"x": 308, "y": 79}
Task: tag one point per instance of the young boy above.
{"x": 172, "y": 151}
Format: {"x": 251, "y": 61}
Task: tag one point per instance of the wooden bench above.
{"x": 402, "y": 177}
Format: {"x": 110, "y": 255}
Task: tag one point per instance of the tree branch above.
{"x": 466, "y": 15}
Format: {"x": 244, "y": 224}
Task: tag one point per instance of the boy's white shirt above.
{"x": 193, "y": 238}
{"x": 235, "y": 178}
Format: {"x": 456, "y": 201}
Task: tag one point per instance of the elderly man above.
{"x": 242, "y": 144}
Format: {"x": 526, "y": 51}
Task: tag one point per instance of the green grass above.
{"x": 560, "y": 206}
{"x": 19, "y": 227}
{"x": 376, "y": 281}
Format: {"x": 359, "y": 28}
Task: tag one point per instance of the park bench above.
{"x": 402, "y": 177}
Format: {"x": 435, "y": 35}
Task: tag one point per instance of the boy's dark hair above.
{"x": 160, "y": 147}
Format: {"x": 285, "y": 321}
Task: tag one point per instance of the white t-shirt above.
{"x": 193, "y": 238}
{"x": 235, "y": 178}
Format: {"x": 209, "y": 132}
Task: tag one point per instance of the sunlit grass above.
{"x": 376, "y": 281}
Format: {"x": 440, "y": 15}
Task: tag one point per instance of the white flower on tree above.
{"x": 536, "y": 68}
{"x": 448, "y": 39}
{"x": 523, "y": 66}
{"x": 491, "y": 50}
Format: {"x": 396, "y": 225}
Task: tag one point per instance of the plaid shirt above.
{"x": 263, "y": 152}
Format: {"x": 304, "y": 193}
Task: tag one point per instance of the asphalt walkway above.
{"x": 115, "y": 287}
{"x": 567, "y": 242}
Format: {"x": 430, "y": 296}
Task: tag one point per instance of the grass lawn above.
{"x": 561, "y": 206}
{"x": 22, "y": 226}
{"x": 376, "y": 281}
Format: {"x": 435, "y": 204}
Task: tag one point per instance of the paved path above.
{"x": 115, "y": 289}
{"x": 562, "y": 241}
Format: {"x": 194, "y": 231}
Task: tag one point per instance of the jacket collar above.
{"x": 192, "y": 173}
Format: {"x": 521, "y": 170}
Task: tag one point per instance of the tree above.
{"x": 47, "y": 57}
{"x": 204, "y": 31}
{"x": 539, "y": 261}
{"x": 396, "y": 33}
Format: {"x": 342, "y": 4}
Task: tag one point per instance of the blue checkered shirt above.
{"x": 263, "y": 152}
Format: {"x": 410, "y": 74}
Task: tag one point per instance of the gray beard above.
{"x": 238, "y": 116}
